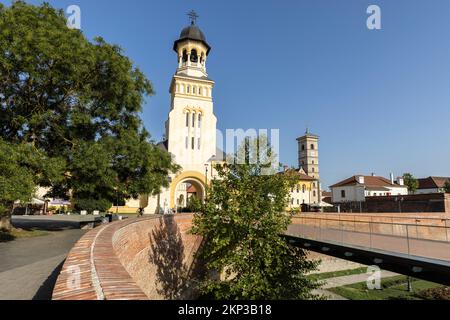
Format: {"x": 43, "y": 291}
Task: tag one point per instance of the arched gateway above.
{"x": 190, "y": 127}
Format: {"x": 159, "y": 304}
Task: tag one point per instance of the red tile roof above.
{"x": 432, "y": 182}
{"x": 369, "y": 181}
{"x": 301, "y": 175}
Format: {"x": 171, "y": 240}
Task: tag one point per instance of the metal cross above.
{"x": 193, "y": 16}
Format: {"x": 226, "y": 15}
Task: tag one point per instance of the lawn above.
{"x": 335, "y": 274}
{"x": 394, "y": 288}
{"x": 21, "y": 234}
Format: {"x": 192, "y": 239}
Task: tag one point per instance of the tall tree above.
{"x": 77, "y": 101}
{"x": 411, "y": 182}
{"x": 242, "y": 221}
{"x": 447, "y": 186}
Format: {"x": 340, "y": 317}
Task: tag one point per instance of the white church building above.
{"x": 190, "y": 127}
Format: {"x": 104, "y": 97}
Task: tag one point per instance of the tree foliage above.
{"x": 411, "y": 182}
{"x": 78, "y": 103}
{"x": 447, "y": 186}
{"x": 241, "y": 221}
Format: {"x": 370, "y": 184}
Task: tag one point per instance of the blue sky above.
{"x": 379, "y": 100}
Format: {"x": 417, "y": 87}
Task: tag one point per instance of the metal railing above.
{"x": 428, "y": 240}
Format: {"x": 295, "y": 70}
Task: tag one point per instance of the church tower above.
{"x": 308, "y": 158}
{"x": 191, "y": 126}
{"x": 308, "y": 146}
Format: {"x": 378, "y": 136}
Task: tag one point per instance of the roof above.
{"x": 369, "y": 181}
{"x": 192, "y": 32}
{"x": 433, "y": 182}
{"x": 191, "y": 189}
{"x": 299, "y": 173}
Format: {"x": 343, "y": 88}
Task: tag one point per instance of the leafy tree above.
{"x": 241, "y": 221}
{"x": 16, "y": 182}
{"x": 411, "y": 182}
{"x": 447, "y": 186}
{"x": 77, "y": 103}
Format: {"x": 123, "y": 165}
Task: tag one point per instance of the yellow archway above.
{"x": 193, "y": 176}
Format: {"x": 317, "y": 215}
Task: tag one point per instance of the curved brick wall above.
{"x": 135, "y": 259}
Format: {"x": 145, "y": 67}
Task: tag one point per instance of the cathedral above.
{"x": 190, "y": 128}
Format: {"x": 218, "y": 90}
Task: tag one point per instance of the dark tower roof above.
{"x": 192, "y": 32}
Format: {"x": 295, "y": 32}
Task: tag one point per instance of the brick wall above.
{"x": 135, "y": 259}
{"x": 436, "y": 202}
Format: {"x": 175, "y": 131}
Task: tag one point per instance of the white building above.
{"x": 357, "y": 188}
{"x": 432, "y": 185}
{"x": 190, "y": 127}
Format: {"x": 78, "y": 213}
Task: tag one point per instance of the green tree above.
{"x": 447, "y": 186}
{"x": 78, "y": 102}
{"x": 411, "y": 182}
{"x": 16, "y": 182}
{"x": 241, "y": 221}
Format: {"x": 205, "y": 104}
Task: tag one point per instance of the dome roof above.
{"x": 192, "y": 32}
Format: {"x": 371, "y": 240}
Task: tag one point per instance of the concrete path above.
{"x": 29, "y": 267}
{"x": 351, "y": 279}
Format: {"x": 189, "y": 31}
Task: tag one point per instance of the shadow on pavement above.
{"x": 46, "y": 289}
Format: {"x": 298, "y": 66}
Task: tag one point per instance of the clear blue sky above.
{"x": 380, "y": 100}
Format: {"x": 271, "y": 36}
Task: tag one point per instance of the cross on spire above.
{"x": 193, "y": 16}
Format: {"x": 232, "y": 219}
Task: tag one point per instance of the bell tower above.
{"x": 191, "y": 126}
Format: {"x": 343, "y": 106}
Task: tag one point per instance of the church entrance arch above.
{"x": 185, "y": 186}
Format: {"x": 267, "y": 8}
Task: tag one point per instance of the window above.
{"x": 187, "y": 119}
{"x": 185, "y": 56}
{"x": 313, "y": 170}
{"x": 298, "y": 202}
{"x": 313, "y": 147}
{"x": 304, "y": 188}
{"x": 303, "y": 147}
{"x": 193, "y": 120}
{"x": 199, "y": 120}
{"x": 314, "y": 193}
{"x": 198, "y": 143}
{"x": 194, "y": 56}
{"x": 188, "y": 89}
{"x": 292, "y": 201}
{"x": 298, "y": 189}
{"x": 342, "y": 193}
{"x": 193, "y": 143}
{"x": 292, "y": 190}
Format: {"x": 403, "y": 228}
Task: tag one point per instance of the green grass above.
{"x": 21, "y": 234}
{"x": 335, "y": 274}
{"x": 394, "y": 288}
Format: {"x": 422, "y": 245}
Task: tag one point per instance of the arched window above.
{"x": 194, "y": 56}
{"x": 193, "y": 143}
{"x": 199, "y": 120}
{"x": 188, "y": 89}
{"x": 312, "y": 147}
{"x": 187, "y": 119}
{"x": 314, "y": 193}
{"x": 298, "y": 188}
{"x": 303, "y": 147}
{"x": 193, "y": 120}
{"x": 304, "y": 188}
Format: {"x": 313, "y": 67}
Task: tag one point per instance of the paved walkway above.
{"x": 351, "y": 279}
{"x": 29, "y": 267}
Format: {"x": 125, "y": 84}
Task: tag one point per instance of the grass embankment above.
{"x": 20, "y": 234}
{"x": 395, "y": 288}
{"x": 335, "y": 274}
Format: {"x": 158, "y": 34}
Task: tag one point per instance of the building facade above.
{"x": 190, "y": 127}
{"x": 358, "y": 188}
